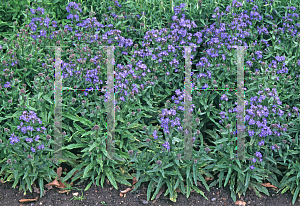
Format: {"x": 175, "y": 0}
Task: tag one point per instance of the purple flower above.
{"x": 254, "y": 160}
{"x": 252, "y": 167}
{"x": 39, "y": 9}
{"x": 37, "y": 138}
{"x": 29, "y": 140}
{"x": 32, "y": 11}
{"x": 261, "y": 143}
{"x": 251, "y": 133}
{"x": 24, "y": 130}
{"x": 40, "y": 147}
{"x": 258, "y": 154}
{"x": 32, "y": 149}
{"x": 14, "y": 139}
{"x": 224, "y": 97}
{"x": 7, "y": 85}
{"x": 155, "y": 134}
{"x": 166, "y": 145}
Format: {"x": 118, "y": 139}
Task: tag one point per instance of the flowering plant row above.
{"x": 149, "y": 94}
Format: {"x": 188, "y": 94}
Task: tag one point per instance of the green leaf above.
{"x": 188, "y": 173}
{"x": 69, "y": 175}
{"x": 227, "y": 177}
{"x": 159, "y": 185}
{"x": 170, "y": 188}
{"x": 110, "y": 177}
{"x": 295, "y": 194}
{"x": 72, "y": 146}
{"x": 195, "y": 174}
{"x": 41, "y": 184}
{"x": 88, "y": 186}
{"x": 199, "y": 191}
{"x": 149, "y": 189}
{"x": 179, "y": 175}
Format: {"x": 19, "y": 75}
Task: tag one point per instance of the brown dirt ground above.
{"x": 98, "y": 195}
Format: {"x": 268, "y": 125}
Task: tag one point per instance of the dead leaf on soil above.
{"x": 240, "y": 203}
{"x": 208, "y": 178}
{"x": 49, "y": 187}
{"x": 134, "y": 180}
{"x": 124, "y": 191}
{"x": 64, "y": 191}
{"x": 59, "y": 171}
{"x": 54, "y": 183}
{"x": 28, "y": 200}
{"x": 268, "y": 185}
{"x": 160, "y": 192}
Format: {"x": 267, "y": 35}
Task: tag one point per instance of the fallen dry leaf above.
{"x": 54, "y": 183}
{"x": 160, "y": 192}
{"x": 268, "y": 185}
{"x": 208, "y": 178}
{"x": 49, "y": 187}
{"x": 134, "y": 180}
{"x": 28, "y": 200}
{"x": 121, "y": 195}
{"x": 59, "y": 171}
{"x": 64, "y": 191}
{"x": 65, "y": 170}
{"x": 61, "y": 185}
{"x": 240, "y": 203}
{"x": 124, "y": 191}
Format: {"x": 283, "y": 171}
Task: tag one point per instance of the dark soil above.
{"x": 98, "y": 195}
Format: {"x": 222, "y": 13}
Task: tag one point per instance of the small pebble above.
{"x": 145, "y": 202}
{"x": 213, "y": 199}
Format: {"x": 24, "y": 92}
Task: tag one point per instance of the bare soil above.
{"x": 110, "y": 196}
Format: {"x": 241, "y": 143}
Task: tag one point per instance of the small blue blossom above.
{"x": 261, "y": 143}
{"x": 166, "y": 145}
{"x": 41, "y": 147}
{"x": 37, "y": 138}
{"x": 155, "y": 134}
{"x": 32, "y": 149}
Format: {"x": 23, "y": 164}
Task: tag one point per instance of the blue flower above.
{"x": 252, "y": 167}
{"x": 251, "y": 133}
{"x": 261, "y": 143}
{"x": 40, "y": 147}
{"x": 258, "y": 154}
{"x": 37, "y": 138}
{"x": 254, "y": 160}
{"x": 32, "y": 149}
{"x": 29, "y": 140}
{"x": 14, "y": 139}
{"x": 166, "y": 145}
{"x": 155, "y": 134}
{"x": 7, "y": 85}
